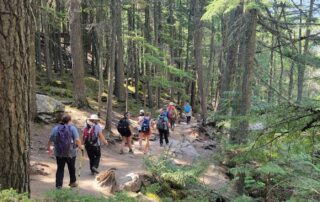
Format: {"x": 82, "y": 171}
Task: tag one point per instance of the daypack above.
{"x": 161, "y": 123}
{"x": 63, "y": 140}
{"x": 187, "y": 108}
{"x": 171, "y": 114}
{"x": 123, "y": 126}
{"x": 145, "y": 127}
{"x": 89, "y": 136}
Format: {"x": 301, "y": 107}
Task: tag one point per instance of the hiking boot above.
{"x": 73, "y": 184}
{"x": 130, "y": 151}
{"x": 95, "y": 170}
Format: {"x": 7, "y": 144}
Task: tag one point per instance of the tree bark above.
{"x": 76, "y": 53}
{"x": 301, "y": 68}
{"x": 47, "y": 43}
{"x": 119, "y": 90}
{"x": 16, "y": 69}
{"x": 147, "y": 35}
{"x": 198, "y": 35}
{"x": 111, "y": 66}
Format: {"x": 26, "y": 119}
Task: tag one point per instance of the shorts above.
{"x": 126, "y": 134}
{"x": 146, "y": 133}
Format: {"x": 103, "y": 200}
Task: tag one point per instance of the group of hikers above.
{"x": 66, "y": 138}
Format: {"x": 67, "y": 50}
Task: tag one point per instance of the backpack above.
{"x": 89, "y": 136}
{"x": 123, "y": 126}
{"x": 161, "y": 123}
{"x": 171, "y": 114}
{"x": 63, "y": 140}
{"x": 145, "y": 127}
{"x": 187, "y": 108}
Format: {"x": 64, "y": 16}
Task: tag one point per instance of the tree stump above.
{"x": 108, "y": 179}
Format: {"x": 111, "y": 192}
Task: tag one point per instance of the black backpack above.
{"x": 123, "y": 126}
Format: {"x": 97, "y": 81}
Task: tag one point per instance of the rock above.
{"x": 131, "y": 182}
{"x": 256, "y": 126}
{"x": 153, "y": 137}
{"x": 38, "y": 169}
{"x": 183, "y": 148}
{"x": 209, "y": 145}
{"x": 135, "y": 136}
{"x": 49, "y": 110}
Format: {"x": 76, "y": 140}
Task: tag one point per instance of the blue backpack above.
{"x": 187, "y": 108}
{"x": 63, "y": 140}
{"x": 145, "y": 127}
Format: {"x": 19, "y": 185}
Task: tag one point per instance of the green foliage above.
{"x": 10, "y": 195}
{"x": 71, "y": 195}
{"x": 243, "y": 199}
{"x": 74, "y": 196}
{"x": 177, "y": 175}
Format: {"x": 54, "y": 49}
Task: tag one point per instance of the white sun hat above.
{"x": 94, "y": 117}
{"x": 141, "y": 111}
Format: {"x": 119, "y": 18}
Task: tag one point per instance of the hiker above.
{"x": 145, "y": 129}
{"x": 188, "y": 111}
{"x": 140, "y": 120}
{"x": 172, "y": 114}
{"x": 124, "y": 128}
{"x": 163, "y": 126}
{"x": 92, "y": 138}
{"x": 65, "y": 137}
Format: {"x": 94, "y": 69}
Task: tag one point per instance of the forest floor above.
{"x": 43, "y": 179}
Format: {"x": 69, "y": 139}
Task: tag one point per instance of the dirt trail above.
{"x": 111, "y": 158}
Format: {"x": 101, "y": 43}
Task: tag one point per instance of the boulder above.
{"x": 131, "y": 182}
{"x": 183, "y": 148}
{"x": 49, "y": 110}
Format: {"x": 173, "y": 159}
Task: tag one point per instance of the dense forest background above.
{"x": 238, "y": 63}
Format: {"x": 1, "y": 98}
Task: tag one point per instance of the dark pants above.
{"x": 172, "y": 122}
{"x": 163, "y": 134}
{"x": 61, "y": 161}
{"x": 188, "y": 119}
{"x": 94, "y": 154}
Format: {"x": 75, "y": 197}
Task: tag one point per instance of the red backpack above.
{"x": 89, "y": 136}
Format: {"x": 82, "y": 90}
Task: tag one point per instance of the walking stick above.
{"x": 80, "y": 164}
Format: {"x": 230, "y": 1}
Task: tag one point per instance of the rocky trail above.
{"x": 185, "y": 145}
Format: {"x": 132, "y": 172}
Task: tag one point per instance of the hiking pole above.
{"x": 80, "y": 164}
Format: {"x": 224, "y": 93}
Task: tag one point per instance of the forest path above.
{"x": 110, "y": 158}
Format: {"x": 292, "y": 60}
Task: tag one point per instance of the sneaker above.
{"x": 121, "y": 151}
{"x": 59, "y": 187}
{"x": 95, "y": 170}
{"x": 73, "y": 184}
{"x": 130, "y": 151}
{"x": 161, "y": 145}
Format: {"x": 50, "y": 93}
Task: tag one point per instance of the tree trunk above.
{"x": 16, "y": 69}
{"x": 301, "y": 68}
{"x": 228, "y": 72}
{"x": 250, "y": 42}
{"x": 198, "y": 35}
{"x": 47, "y": 43}
{"x": 76, "y": 52}
{"x": 111, "y": 66}
{"x": 147, "y": 35}
{"x": 290, "y": 89}
{"x": 119, "y": 90}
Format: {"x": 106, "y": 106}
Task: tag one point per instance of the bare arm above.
{"x": 103, "y": 139}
